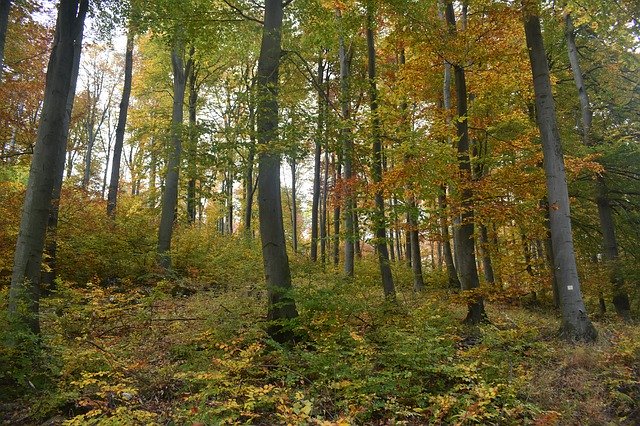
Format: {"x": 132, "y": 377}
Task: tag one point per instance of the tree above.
{"x": 50, "y": 142}
{"x": 575, "y": 322}
{"x": 5, "y": 8}
{"x": 605, "y": 210}
{"x": 378, "y": 216}
{"x": 464, "y": 232}
{"x": 114, "y": 182}
{"x": 274, "y": 250}
{"x": 170, "y": 195}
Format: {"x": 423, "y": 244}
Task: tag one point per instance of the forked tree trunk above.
{"x": 464, "y": 232}
{"x": 605, "y": 212}
{"x": 274, "y": 250}
{"x": 46, "y": 164}
{"x": 114, "y": 182}
{"x": 376, "y": 168}
{"x": 575, "y": 322}
{"x": 170, "y": 195}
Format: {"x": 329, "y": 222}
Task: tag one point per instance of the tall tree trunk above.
{"x": 50, "y": 271}
{"x": 575, "y": 322}
{"x": 442, "y": 197}
{"x": 337, "y": 168}
{"x": 294, "y": 207}
{"x": 464, "y": 232}
{"x": 248, "y": 205}
{"x": 170, "y": 195}
{"x": 46, "y": 164}
{"x": 192, "y": 148}
{"x": 5, "y": 8}
{"x": 605, "y": 213}
{"x": 229, "y": 194}
{"x": 114, "y": 182}
{"x": 316, "y": 160}
{"x": 378, "y": 216}
{"x": 347, "y": 152}
{"x": 274, "y": 250}
{"x": 325, "y": 194}
{"x": 86, "y": 177}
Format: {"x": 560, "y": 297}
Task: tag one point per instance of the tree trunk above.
{"x": 347, "y": 150}
{"x": 50, "y": 271}
{"x": 316, "y": 161}
{"x": 337, "y": 167}
{"x": 114, "y": 182}
{"x": 575, "y": 322}
{"x": 192, "y": 149}
{"x": 487, "y": 265}
{"x": 607, "y": 225}
{"x": 446, "y": 240}
{"x": 464, "y": 232}
{"x": 274, "y": 250}
{"x": 323, "y": 216}
{"x": 376, "y": 167}
{"x": 414, "y": 239}
{"x": 248, "y": 205}
{"x": 5, "y": 8}
{"x": 46, "y": 164}
{"x": 170, "y": 195}
{"x": 294, "y": 207}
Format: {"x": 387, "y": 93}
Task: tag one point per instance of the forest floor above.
{"x": 186, "y": 353}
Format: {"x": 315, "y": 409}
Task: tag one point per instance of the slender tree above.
{"x": 575, "y": 322}
{"x": 112, "y": 196}
{"x": 376, "y": 136}
{"x": 170, "y": 195}
{"x": 274, "y": 250}
{"x": 45, "y": 164}
{"x": 464, "y": 232}
{"x": 315, "y": 204}
{"x": 605, "y": 212}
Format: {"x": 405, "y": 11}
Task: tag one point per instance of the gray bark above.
{"x": 605, "y": 213}
{"x": 464, "y": 232}
{"x": 347, "y": 152}
{"x": 376, "y": 168}
{"x": 45, "y": 166}
{"x": 337, "y": 169}
{"x": 274, "y": 251}
{"x": 51, "y": 239}
{"x": 192, "y": 149}
{"x": 575, "y": 322}
{"x": 5, "y": 8}
{"x": 487, "y": 265}
{"x": 114, "y": 182}
{"x": 170, "y": 194}
{"x": 315, "y": 204}
{"x": 294, "y": 207}
{"x": 248, "y": 206}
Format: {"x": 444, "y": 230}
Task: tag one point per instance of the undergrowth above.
{"x": 192, "y": 349}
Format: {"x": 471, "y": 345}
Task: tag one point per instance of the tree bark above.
{"x": 294, "y": 207}
{"x": 347, "y": 152}
{"x": 323, "y": 212}
{"x": 575, "y": 322}
{"x": 337, "y": 169}
{"x": 248, "y": 205}
{"x": 376, "y": 168}
{"x": 5, "y": 8}
{"x": 605, "y": 213}
{"x": 192, "y": 148}
{"x": 170, "y": 195}
{"x": 315, "y": 204}
{"x": 274, "y": 251}
{"x": 50, "y": 270}
{"x": 45, "y": 166}
{"x": 487, "y": 265}
{"x": 114, "y": 182}
{"x": 464, "y": 232}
